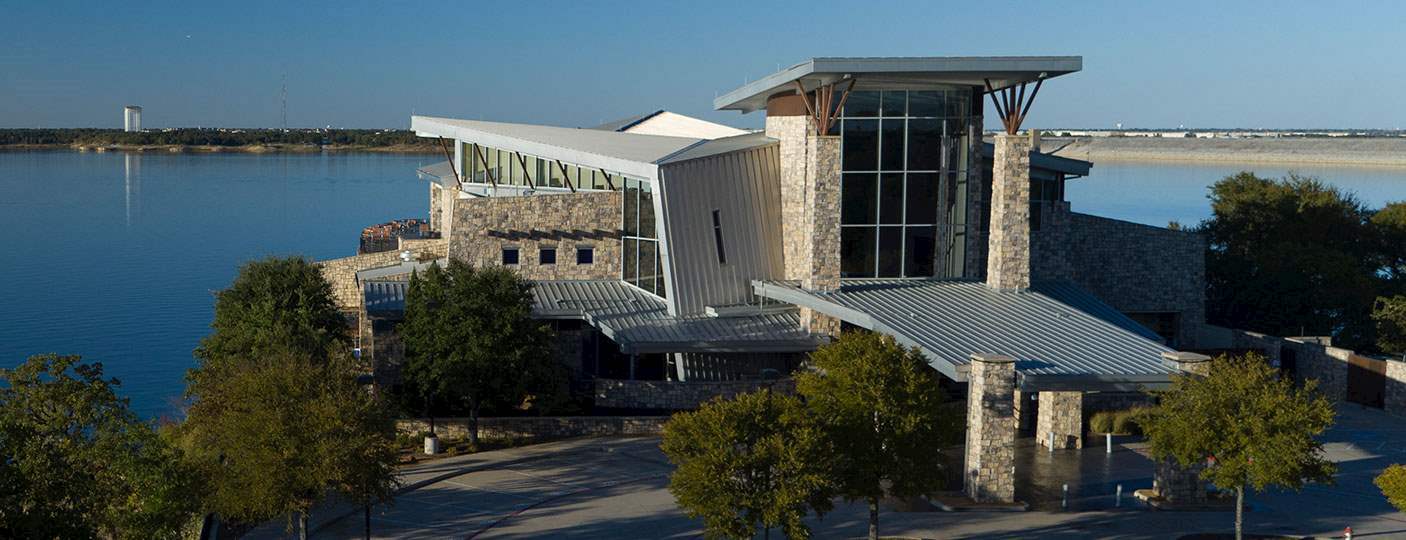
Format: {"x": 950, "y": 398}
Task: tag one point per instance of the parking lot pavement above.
{"x": 617, "y": 488}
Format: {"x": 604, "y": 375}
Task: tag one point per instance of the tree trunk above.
{"x": 1239, "y": 510}
{"x": 302, "y": 525}
{"x": 873, "y": 518}
{"x": 473, "y": 424}
{"x": 367, "y": 510}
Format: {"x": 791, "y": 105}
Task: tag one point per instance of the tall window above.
{"x": 904, "y": 164}
{"x": 641, "y": 266}
{"x": 718, "y": 236}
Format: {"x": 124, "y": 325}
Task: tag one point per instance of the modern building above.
{"x": 700, "y": 258}
{"x": 131, "y": 118}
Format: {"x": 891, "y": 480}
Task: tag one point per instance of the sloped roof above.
{"x": 1060, "y": 335}
{"x": 722, "y": 146}
{"x": 624, "y": 124}
{"x": 628, "y": 153}
{"x": 877, "y": 72}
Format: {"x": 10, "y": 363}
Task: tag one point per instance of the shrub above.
{"x": 1101, "y": 422}
{"x": 1392, "y": 482}
{"x": 1125, "y": 423}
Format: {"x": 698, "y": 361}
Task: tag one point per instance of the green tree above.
{"x": 470, "y": 339}
{"x": 276, "y": 304}
{"x": 1390, "y": 224}
{"x": 277, "y": 419}
{"x": 77, "y": 463}
{"x": 274, "y": 435}
{"x": 1390, "y": 315}
{"x": 751, "y": 462}
{"x": 1392, "y": 482}
{"x": 1259, "y": 429}
{"x": 882, "y": 411}
{"x": 1290, "y": 257}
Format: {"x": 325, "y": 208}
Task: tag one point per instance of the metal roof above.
{"x": 629, "y": 153}
{"x": 1060, "y": 336}
{"x": 639, "y": 322}
{"x": 722, "y": 146}
{"x": 626, "y": 123}
{"x": 881, "y": 72}
{"x": 441, "y": 173}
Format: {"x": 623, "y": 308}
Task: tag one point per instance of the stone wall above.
{"x": 1008, "y": 253}
{"x": 791, "y": 131}
{"x": 482, "y": 227}
{"x": 990, "y": 450}
{"x": 537, "y": 427}
{"x": 1061, "y": 414}
{"x": 436, "y": 208}
{"x": 674, "y": 395}
{"x": 1137, "y": 268}
{"x": 341, "y": 273}
{"x": 1395, "y": 399}
{"x": 1049, "y": 246}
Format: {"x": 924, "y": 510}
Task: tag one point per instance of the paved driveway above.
{"x": 616, "y": 488}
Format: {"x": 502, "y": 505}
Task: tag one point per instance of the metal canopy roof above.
{"x": 1048, "y": 162}
{"x": 629, "y": 153}
{"x": 637, "y": 321}
{"x": 1061, "y": 336}
{"x": 882, "y": 72}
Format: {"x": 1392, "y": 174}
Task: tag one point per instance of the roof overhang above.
{"x": 900, "y": 72}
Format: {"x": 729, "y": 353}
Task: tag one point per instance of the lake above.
{"x": 115, "y": 256}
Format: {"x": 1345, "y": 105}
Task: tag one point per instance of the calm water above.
{"x": 114, "y": 256}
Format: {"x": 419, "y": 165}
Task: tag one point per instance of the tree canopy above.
{"x": 470, "y": 339}
{"x": 882, "y": 411}
{"x": 1392, "y": 482}
{"x": 1390, "y": 316}
{"x": 277, "y": 418}
{"x": 755, "y": 461}
{"x": 1256, "y": 428}
{"x": 1290, "y": 257}
{"x": 77, "y": 463}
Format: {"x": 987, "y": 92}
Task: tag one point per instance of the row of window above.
{"x": 486, "y": 165}
{"x": 548, "y": 255}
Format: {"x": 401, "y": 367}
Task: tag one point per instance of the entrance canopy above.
{"x": 1062, "y": 337}
{"x": 894, "y": 72}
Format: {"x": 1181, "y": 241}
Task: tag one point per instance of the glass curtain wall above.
{"x": 512, "y": 169}
{"x": 641, "y": 266}
{"x": 904, "y": 159}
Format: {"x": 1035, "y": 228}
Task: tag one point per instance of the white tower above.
{"x": 132, "y": 118}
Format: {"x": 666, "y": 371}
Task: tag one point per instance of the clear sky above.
{"x": 371, "y": 64}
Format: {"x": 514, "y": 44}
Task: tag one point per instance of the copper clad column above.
{"x": 1008, "y": 259}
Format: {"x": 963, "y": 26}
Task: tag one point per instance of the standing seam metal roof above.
{"x": 1054, "y": 329}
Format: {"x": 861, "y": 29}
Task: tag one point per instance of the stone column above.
{"x": 1189, "y": 362}
{"x": 810, "y": 204}
{"x": 1060, "y": 413}
{"x": 990, "y": 463}
{"x": 1008, "y": 257}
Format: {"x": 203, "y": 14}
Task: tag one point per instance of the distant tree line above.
{"x": 213, "y": 137}
{"x": 1296, "y": 256}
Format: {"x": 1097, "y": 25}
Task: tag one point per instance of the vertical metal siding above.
{"x": 746, "y": 187}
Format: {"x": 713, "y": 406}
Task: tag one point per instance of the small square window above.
{"x": 585, "y": 255}
{"x": 510, "y": 255}
{"x": 547, "y": 256}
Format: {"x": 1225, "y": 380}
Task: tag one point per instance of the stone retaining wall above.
{"x": 673, "y": 395}
{"x": 1395, "y": 398}
{"x": 537, "y": 427}
{"x": 341, "y": 273}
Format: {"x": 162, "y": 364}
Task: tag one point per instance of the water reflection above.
{"x": 132, "y": 187}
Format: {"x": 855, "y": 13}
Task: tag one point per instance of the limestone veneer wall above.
{"x": 482, "y": 227}
{"x": 341, "y": 273}
{"x": 1130, "y": 266}
{"x": 537, "y": 427}
{"x": 1395, "y": 399}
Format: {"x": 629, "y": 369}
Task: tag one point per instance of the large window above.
{"x": 641, "y": 266}
{"x": 904, "y": 159}
{"x": 487, "y": 165}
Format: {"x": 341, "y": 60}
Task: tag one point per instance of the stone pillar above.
{"x": 1060, "y": 413}
{"x": 810, "y": 206}
{"x": 990, "y": 460}
{"x": 1008, "y": 257}
{"x": 1189, "y": 362}
{"x": 1394, "y": 398}
{"x": 1177, "y": 484}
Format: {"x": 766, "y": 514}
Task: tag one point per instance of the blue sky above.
{"x": 364, "y": 64}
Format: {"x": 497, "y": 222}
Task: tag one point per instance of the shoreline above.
{"x": 212, "y": 149}
{"x": 1381, "y": 153}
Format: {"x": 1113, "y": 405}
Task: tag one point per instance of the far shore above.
{"x": 213, "y": 149}
{"x": 1365, "y": 152}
